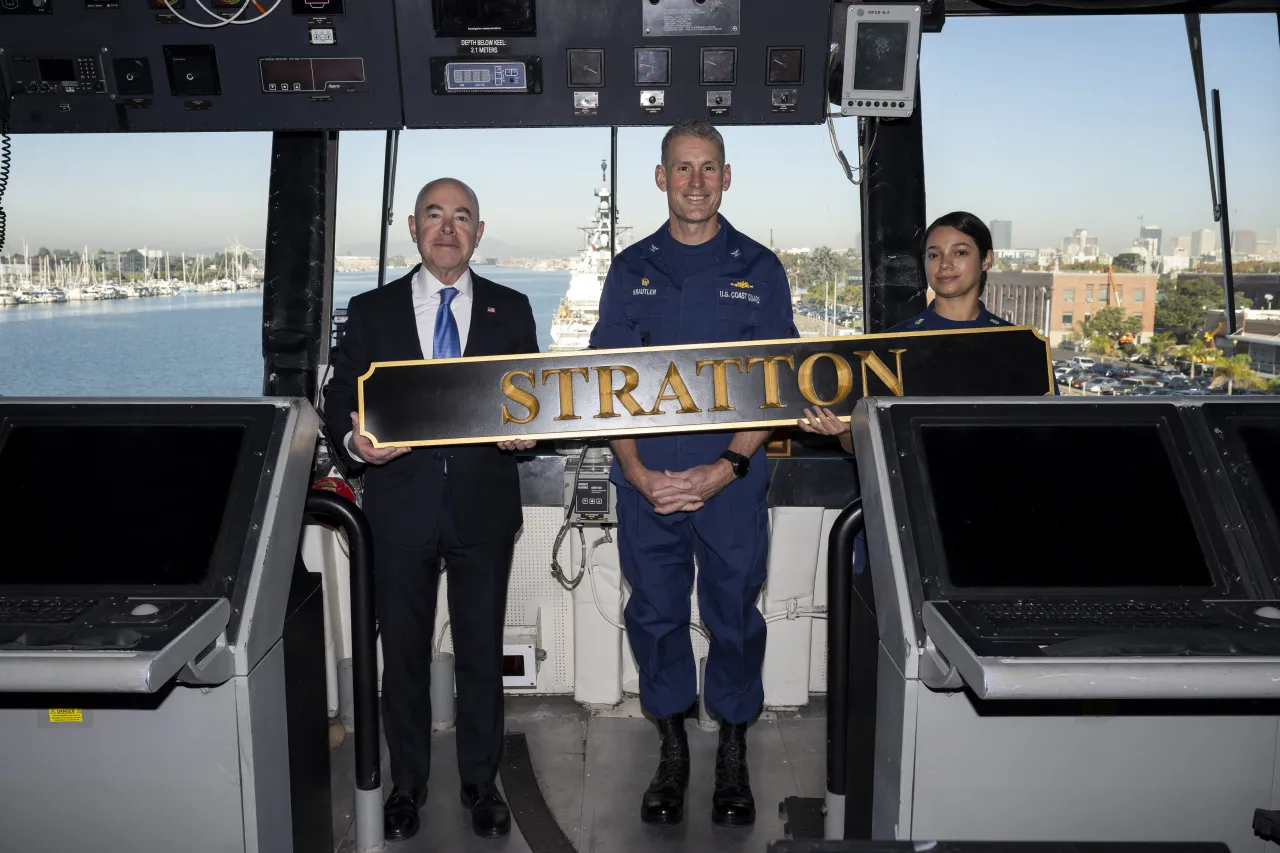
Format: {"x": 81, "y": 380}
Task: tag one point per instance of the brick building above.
{"x": 1070, "y": 297}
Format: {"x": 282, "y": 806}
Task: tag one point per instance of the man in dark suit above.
{"x": 459, "y": 503}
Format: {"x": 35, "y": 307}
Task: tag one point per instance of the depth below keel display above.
{"x": 486, "y": 77}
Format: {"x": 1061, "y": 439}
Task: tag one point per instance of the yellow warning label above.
{"x": 66, "y": 715}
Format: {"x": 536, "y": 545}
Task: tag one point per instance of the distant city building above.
{"x": 1244, "y": 242}
{"x": 1071, "y": 298}
{"x": 1179, "y": 245}
{"x": 1001, "y": 234}
{"x": 1151, "y": 232}
{"x": 1203, "y": 242}
{"x": 1079, "y": 247}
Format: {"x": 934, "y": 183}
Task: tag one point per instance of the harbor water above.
{"x": 187, "y": 345}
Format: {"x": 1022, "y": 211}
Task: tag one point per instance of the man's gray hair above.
{"x": 698, "y": 128}
{"x": 422, "y": 195}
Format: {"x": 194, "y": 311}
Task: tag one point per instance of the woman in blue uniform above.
{"x": 957, "y": 255}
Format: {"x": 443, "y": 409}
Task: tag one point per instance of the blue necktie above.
{"x": 447, "y": 343}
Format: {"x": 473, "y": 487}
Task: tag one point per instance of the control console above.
{"x": 92, "y": 66}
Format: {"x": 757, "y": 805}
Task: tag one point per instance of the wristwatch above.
{"x": 741, "y": 464}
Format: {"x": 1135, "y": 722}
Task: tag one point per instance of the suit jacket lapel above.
{"x": 480, "y": 335}
{"x": 402, "y": 324}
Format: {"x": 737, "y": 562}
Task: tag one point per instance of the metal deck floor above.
{"x": 593, "y": 769}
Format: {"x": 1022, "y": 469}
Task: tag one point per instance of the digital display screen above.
{"x": 114, "y": 504}
{"x": 1262, "y": 442}
{"x": 57, "y": 70}
{"x": 319, "y": 74}
{"x": 1005, "y": 514}
{"x": 484, "y": 76}
{"x": 460, "y": 18}
{"x": 880, "y": 61}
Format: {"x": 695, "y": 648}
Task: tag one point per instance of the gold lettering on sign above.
{"x": 681, "y": 395}
{"x": 880, "y": 369}
{"x": 631, "y": 380}
{"x": 770, "y": 363}
{"x": 518, "y": 395}
{"x": 566, "y": 375}
{"x": 720, "y": 381}
{"x": 844, "y": 379}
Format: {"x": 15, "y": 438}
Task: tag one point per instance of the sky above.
{"x": 1052, "y": 123}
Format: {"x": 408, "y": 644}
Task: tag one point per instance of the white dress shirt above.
{"x": 426, "y": 302}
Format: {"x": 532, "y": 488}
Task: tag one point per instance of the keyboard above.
{"x": 43, "y": 611}
{"x": 1068, "y": 615}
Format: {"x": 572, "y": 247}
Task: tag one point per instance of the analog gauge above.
{"x": 719, "y": 65}
{"x": 653, "y": 66}
{"x": 786, "y": 66}
{"x": 586, "y": 68}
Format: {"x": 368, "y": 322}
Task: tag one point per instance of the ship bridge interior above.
{"x": 204, "y": 676}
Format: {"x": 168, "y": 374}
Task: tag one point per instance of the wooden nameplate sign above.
{"x": 703, "y": 387}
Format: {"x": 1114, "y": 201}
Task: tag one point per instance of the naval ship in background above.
{"x": 580, "y": 307}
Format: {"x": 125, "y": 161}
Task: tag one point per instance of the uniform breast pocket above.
{"x": 644, "y": 312}
{"x": 737, "y": 317}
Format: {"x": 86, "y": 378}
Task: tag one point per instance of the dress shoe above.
{"x": 732, "y": 803}
{"x": 663, "y": 803}
{"x": 400, "y": 813}
{"x": 490, "y": 817}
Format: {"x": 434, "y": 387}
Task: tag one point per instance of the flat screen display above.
{"x": 1060, "y": 505}
{"x": 1262, "y": 442}
{"x": 114, "y": 504}
{"x": 880, "y": 62}
{"x": 462, "y": 18}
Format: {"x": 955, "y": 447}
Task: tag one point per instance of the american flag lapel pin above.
{"x": 491, "y": 310}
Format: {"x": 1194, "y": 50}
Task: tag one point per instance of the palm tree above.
{"x": 1196, "y": 351}
{"x": 1234, "y": 370}
{"x": 1160, "y": 346}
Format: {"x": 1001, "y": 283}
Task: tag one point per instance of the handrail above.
{"x": 840, "y": 545}
{"x": 334, "y": 508}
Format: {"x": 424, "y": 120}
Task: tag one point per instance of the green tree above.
{"x": 1235, "y": 370}
{"x": 1111, "y": 323}
{"x": 1129, "y": 261}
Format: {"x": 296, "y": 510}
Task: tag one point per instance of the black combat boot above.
{"x": 732, "y": 803}
{"x": 663, "y": 803}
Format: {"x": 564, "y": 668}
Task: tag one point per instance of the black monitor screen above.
{"x": 460, "y": 18}
{"x": 113, "y": 504}
{"x": 1262, "y": 442}
{"x": 881, "y": 59}
{"x": 1061, "y": 505}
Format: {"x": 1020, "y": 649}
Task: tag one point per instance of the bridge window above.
{"x": 141, "y": 277}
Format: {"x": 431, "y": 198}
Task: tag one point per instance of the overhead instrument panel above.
{"x": 513, "y": 63}
{"x": 199, "y": 65}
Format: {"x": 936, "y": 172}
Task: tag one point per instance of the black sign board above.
{"x": 744, "y": 385}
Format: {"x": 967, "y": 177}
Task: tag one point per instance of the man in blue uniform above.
{"x": 695, "y": 280}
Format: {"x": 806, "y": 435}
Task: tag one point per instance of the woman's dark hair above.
{"x": 972, "y": 227}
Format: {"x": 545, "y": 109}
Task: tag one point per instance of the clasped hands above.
{"x": 682, "y": 491}
{"x": 364, "y": 448}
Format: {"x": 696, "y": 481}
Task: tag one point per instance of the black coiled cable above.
{"x": 6, "y": 150}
